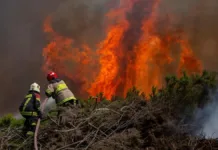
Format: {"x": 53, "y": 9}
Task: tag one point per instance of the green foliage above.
{"x": 186, "y": 93}
{"x": 181, "y": 94}
{"x": 9, "y": 120}
{"x": 134, "y": 93}
{"x": 153, "y": 94}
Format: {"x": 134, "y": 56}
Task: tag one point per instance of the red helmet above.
{"x": 51, "y": 75}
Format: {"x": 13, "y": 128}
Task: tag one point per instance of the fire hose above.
{"x": 38, "y": 124}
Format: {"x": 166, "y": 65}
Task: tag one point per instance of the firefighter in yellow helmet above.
{"x": 30, "y": 109}
{"x": 58, "y": 90}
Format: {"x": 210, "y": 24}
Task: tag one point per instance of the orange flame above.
{"x": 115, "y": 67}
{"x": 151, "y": 55}
{"x": 61, "y": 56}
{"x": 110, "y": 49}
{"x": 188, "y": 61}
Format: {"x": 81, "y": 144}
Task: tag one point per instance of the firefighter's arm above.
{"x": 49, "y": 91}
{"x": 37, "y": 105}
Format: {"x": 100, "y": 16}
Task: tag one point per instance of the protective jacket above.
{"x": 58, "y": 90}
{"x": 31, "y": 105}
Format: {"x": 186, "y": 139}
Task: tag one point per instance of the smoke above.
{"x": 198, "y": 20}
{"x": 206, "y": 118}
{"x": 21, "y": 43}
{"x": 81, "y": 20}
{"x": 49, "y": 105}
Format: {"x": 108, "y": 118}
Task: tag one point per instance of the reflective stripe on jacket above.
{"x": 59, "y": 91}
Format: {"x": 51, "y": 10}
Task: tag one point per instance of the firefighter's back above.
{"x": 27, "y": 107}
{"x": 62, "y": 92}
{"x": 27, "y": 104}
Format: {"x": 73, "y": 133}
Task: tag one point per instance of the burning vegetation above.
{"x": 138, "y": 49}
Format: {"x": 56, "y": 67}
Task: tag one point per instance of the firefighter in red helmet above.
{"x": 58, "y": 90}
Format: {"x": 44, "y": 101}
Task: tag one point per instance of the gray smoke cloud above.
{"x": 206, "y": 118}
{"x": 81, "y": 20}
{"x": 21, "y": 43}
{"x": 199, "y": 20}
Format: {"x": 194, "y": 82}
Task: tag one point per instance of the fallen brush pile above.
{"x": 120, "y": 125}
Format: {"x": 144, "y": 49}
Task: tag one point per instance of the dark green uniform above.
{"x": 30, "y": 110}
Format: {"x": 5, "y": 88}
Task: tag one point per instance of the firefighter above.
{"x": 30, "y": 109}
{"x": 58, "y": 90}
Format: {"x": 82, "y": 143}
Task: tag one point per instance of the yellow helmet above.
{"x": 35, "y": 87}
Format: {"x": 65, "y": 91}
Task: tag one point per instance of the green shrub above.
{"x": 9, "y": 121}
{"x": 133, "y": 93}
{"x": 186, "y": 93}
